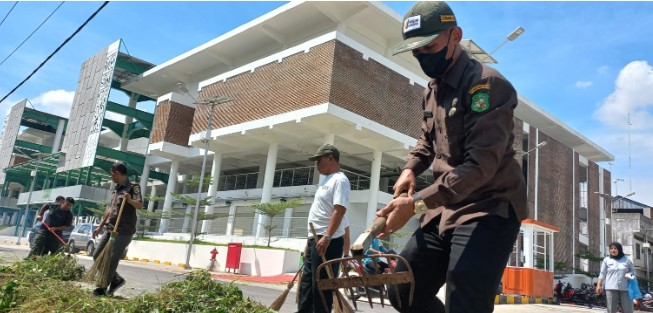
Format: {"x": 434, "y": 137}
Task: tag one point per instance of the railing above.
{"x": 287, "y": 177}
{"x": 242, "y": 226}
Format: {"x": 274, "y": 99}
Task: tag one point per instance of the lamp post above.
{"x": 647, "y": 245}
{"x": 511, "y": 37}
{"x": 213, "y": 102}
{"x": 29, "y": 196}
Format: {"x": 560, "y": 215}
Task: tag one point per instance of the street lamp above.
{"x": 511, "y": 37}
{"x": 31, "y": 190}
{"x": 213, "y": 102}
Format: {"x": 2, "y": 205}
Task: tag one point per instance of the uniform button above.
{"x": 438, "y": 156}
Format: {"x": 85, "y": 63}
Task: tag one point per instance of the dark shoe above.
{"x": 99, "y": 292}
{"x": 115, "y": 284}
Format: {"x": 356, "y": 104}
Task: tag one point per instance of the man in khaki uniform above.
{"x": 470, "y": 215}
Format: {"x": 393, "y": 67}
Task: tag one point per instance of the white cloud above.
{"x": 57, "y": 102}
{"x": 633, "y": 94}
{"x": 603, "y": 69}
{"x": 583, "y": 84}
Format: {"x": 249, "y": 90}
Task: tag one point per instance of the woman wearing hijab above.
{"x": 616, "y": 271}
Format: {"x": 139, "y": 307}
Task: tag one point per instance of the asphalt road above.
{"x": 142, "y": 278}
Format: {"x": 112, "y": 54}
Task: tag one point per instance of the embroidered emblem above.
{"x": 447, "y": 18}
{"x": 480, "y": 102}
{"x": 476, "y": 88}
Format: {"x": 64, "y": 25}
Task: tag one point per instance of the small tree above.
{"x": 592, "y": 260}
{"x": 272, "y": 209}
{"x": 191, "y": 200}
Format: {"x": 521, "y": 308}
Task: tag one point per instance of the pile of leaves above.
{"x": 52, "y": 284}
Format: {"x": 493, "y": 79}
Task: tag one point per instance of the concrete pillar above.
{"x": 268, "y": 180}
{"x": 375, "y": 177}
{"x": 145, "y": 177}
{"x": 231, "y": 219}
{"x": 261, "y": 176}
{"x": 550, "y": 251}
{"x": 57, "y": 136}
{"x": 150, "y": 204}
{"x": 330, "y": 139}
{"x": 287, "y": 221}
{"x": 528, "y": 247}
{"x": 213, "y": 190}
{"x": 124, "y": 138}
{"x": 170, "y": 187}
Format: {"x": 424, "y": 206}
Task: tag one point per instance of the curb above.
{"x": 517, "y": 299}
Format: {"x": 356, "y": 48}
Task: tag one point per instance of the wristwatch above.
{"x": 328, "y": 238}
{"x": 420, "y": 206}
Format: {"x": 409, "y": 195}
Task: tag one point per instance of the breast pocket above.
{"x": 455, "y": 137}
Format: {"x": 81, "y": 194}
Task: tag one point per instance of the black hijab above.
{"x": 620, "y": 249}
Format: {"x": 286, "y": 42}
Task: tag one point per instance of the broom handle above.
{"x": 122, "y": 206}
{"x": 55, "y": 234}
{"x": 328, "y": 268}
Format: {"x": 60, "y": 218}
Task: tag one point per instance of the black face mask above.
{"x": 435, "y": 64}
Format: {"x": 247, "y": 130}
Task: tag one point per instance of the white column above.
{"x": 167, "y": 203}
{"x": 330, "y": 139}
{"x": 144, "y": 177}
{"x": 124, "y": 138}
{"x": 287, "y": 221}
{"x": 528, "y": 247}
{"x": 213, "y": 190}
{"x": 150, "y": 204}
{"x": 268, "y": 180}
{"x": 260, "y": 177}
{"x": 537, "y": 173}
{"x": 551, "y": 252}
{"x": 57, "y": 136}
{"x": 187, "y": 217}
{"x": 231, "y": 219}
{"x": 3, "y": 221}
{"x": 375, "y": 178}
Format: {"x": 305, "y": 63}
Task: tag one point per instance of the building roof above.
{"x": 372, "y": 24}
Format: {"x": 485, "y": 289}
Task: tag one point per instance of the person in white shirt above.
{"x": 326, "y": 214}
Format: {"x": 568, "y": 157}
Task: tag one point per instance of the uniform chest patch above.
{"x": 480, "y": 102}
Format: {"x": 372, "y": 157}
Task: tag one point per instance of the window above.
{"x": 638, "y": 251}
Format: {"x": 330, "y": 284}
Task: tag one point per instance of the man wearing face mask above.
{"x": 470, "y": 216}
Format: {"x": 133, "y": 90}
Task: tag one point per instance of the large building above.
{"x": 310, "y": 73}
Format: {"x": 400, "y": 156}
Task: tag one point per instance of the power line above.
{"x": 12, "y": 8}
{"x": 30, "y": 35}
{"x": 56, "y": 50}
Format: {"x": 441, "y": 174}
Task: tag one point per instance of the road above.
{"x": 143, "y": 278}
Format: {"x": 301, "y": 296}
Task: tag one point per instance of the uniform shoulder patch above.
{"x": 480, "y": 102}
{"x": 478, "y": 87}
{"x": 136, "y": 188}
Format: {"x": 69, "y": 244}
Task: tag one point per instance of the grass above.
{"x": 51, "y": 284}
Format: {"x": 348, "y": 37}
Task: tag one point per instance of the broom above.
{"x": 340, "y": 304}
{"x": 65, "y": 245}
{"x": 99, "y": 272}
{"x": 278, "y": 303}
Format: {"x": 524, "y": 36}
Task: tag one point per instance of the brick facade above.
{"x": 172, "y": 123}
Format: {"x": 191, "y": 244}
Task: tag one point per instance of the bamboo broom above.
{"x": 99, "y": 272}
{"x": 278, "y": 303}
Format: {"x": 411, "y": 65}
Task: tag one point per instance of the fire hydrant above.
{"x": 214, "y": 252}
{"x": 212, "y": 264}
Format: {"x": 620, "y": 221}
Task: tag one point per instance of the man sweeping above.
{"x": 49, "y": 236}
{"x": 131, "y": 192}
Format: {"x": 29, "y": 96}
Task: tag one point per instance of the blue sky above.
{"x": 586, "y": 63}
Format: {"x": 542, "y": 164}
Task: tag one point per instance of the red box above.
{"x": 233, "y": 256}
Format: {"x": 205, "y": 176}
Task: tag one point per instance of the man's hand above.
{"x": 398, "y": 212}
{"x": 39, "y": 217}
{"x": 96, "y": 232}
{"x": 127, "y": 196}
{"x": 598, "y": 290}
{"x": 406, "y": 181}
{"x": 322, "y": 246}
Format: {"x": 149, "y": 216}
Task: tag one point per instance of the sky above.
{"x": 589, "y": 64}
